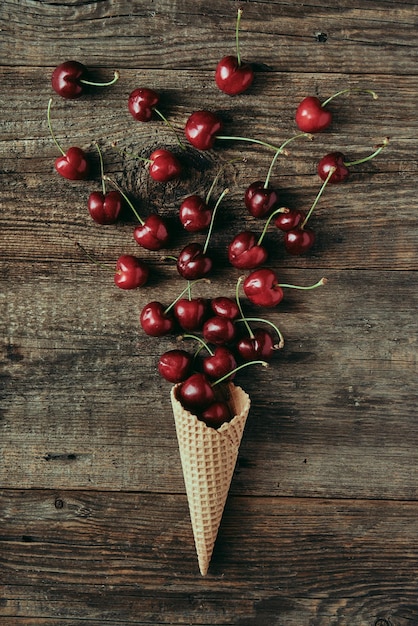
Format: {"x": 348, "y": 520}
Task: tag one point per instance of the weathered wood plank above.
{"x": 102, "y": 556}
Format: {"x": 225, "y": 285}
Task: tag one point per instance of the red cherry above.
{"x": 190, "y": 314}
{"x": 201, "y": 129}
{"x": 262, "y": 288}
{"x": 130, "y": 272}
{"x": 66, "y": 78}
{"x": 311, "y": 116}
{"x": 290, "y": 220}
{"x": 299, "y": 240}
{"x": 104, "y": 208}
{"x": 153, "y": 233}
{"x": 73, "y": 164}
{"x": 155, "y": 321}
{"x": 141, "y": 102}
{"x": 260, "y": 345}
{"x": 245, "y": 253}
{"x": 233, "y": 77}
{"x": 219, "y": 330}
{"x": 225, "y": 307}
{"x": 196, "y": 392}
{"x": 216, "y": 414}
{"x": 175, "y": 365}
{"x": 164, "y": 165}
{"x": 259, "y": 200}
{"x": 219, "y": 363}
{"x": 194, "y": 214}
{"x": 193, "y": 262}
{"x": 333, "y": 160}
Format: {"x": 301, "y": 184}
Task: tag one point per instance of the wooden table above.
{"x": 321, "y": 524}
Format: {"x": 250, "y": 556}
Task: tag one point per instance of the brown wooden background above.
{"x": 321, "y": 525}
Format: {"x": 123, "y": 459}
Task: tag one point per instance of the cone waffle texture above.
{"x": 208, "y": 459}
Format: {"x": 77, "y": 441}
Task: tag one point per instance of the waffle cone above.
{"x": 208, "y": 458}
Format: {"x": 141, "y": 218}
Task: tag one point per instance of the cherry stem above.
{"x": 215, "y": 180}
{"x": 101, "y": 167}
{"x": 268, "y": 221}
{"x": 240, "y": 367}
{"x": 349, "y": 90}
{"x": 221, "y": 197}
{"x": 106, "y": 84}
{"x": 131, "y": 154}
{"x": 260, "y": 319}
{"x": 279, "y": 151}
{"x": 125, "y": 197}
{"x": 91, "y": 257}
{"x": 239, "y": 14}
{"x": 320, "y": 192}
{"x": 50, "y": 127}
{"x": 200, "y": 340}
{"x": 257, "y": 141}
{"x": 238, "y": 301}
{"x": 171, "y": 127}
{"x": 321, "y": 282}
{"x": 185, "y": 290}
{"x": 371, "y": 156}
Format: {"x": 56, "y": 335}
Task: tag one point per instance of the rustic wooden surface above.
{"x": 321, "y": 525}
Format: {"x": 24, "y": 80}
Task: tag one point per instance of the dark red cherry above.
{"x": 193, "y": 262}
{"x": 155, "y": 321}
{"x": 260, "y": 346}
{"x": 141, "y": 102}
{"x": 104, "y": 208}
{"x": 225, "y": 307}
{"x": 262, "y": 287}
{"x": 290, "y": 220}
{"x": 216, "y": 414}
{"x": 194, "y": 214}
{"x": 164, "y": 165}
{"x": 73, "y": 165}
{"x": 66, "y": 79}
{"x": 219, "y": 363}
{"x": 299, "y": 240}
{"x": 233, "y": 77}
{"x": 152, "y": 234}
{"x": 245, "y": 253}
{"x": 131, "y": 272}
{"x": 311, "y": 116}
{"x": 219, "y": 330}
{"x": 260, "y": 201}
{"x": 175, "y": 365}
{"x": 196, "y": 392}
{"x": 201, "y": 129}
{"x": 333, "y": 160}
{"x": 191, "y": 314}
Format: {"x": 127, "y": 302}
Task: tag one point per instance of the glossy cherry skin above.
{"x": 164, "y": 166}
{"x": 311, "y": 116}
{"x": 290, "y": 220}
{"x": 73, "y": 165}
{"x": 152, "y": 234}
{"x": 333, "y": 159}
{"x": 299, "y": 240}
{"x": 196, "y": 393}
{"x": 219, "y": 330}
{"x": 175, "y": 365}
{"x": 260, "y": 346}
{"x": 131, "y": 272}
{"x": 191, "y": 314}
{"x": 262, "y": 287}
{"x": 201, "y": 129}
{"x": 105, "y": 208}
{"x": 66, "y": 78}
{"x": 260, "y": 201}
{"x": 232, "y": 77}
{"x": 225, "y": 307}
{"x": 216, "y": 414}
{"x": 194, "y": 214}
{"x": 245, "y": 253}
{"x": 193, "y": 263}
{"x": 154, "y": 321}
{"x": 141, "y": 102}
{"x": 220, "y": 363}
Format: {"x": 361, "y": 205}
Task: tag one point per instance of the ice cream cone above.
{"x": 208, "y": 458}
